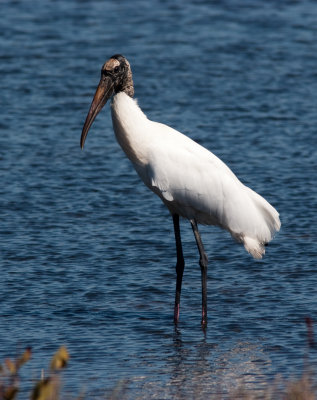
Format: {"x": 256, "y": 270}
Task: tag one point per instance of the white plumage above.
{"x": 191, "y": 181}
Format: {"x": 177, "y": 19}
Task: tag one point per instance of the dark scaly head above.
{"x": 116, "y": 76}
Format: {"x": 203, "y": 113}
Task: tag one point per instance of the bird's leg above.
{"x": 179, "y": 266}
{"x": 203, "y": 262}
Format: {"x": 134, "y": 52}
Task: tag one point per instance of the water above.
{"x": 87, "y": 252}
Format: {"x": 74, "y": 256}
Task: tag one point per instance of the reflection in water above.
{"x": 197, "y": 371}
{"x": 191, "y": 375}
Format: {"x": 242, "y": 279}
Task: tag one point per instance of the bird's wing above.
{"x": 188, "y": 174}
{"x": 196, "y": 184}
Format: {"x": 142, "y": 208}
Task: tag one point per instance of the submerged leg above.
{"x": 203, "y": 262}
{"x": 179, "y": 266}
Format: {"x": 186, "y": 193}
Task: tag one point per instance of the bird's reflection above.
{"x": 198, "y": 369}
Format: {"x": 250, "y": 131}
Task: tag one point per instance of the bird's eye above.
{"x": 116, "y": 69}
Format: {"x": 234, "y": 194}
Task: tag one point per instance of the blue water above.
{"x": 88, "y": 253}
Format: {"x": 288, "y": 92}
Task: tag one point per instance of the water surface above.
{"x": 87, "y": 252}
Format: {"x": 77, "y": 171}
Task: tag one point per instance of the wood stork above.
{"x": 191, "y": 181}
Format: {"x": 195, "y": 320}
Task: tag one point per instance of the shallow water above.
{"x": 87, "y": 252}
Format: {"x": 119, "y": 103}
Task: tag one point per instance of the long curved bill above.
{"x": 103, "y": 92}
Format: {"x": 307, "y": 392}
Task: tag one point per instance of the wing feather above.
{"x": 196, "y": 184}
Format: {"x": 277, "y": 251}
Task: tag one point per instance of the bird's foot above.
{"x": 204, "y": 318}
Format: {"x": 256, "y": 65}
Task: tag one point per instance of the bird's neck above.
{"x": 126, "y": 84}
{"x": 130, "y": 125}
{"x": 128, "y": 87}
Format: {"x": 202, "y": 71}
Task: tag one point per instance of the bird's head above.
{"x": 116, "y": 76}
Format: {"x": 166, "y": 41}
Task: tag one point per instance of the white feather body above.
{"x": 191, "y": 180}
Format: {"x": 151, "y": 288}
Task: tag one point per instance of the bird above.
{"x": 192, "y": 182}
